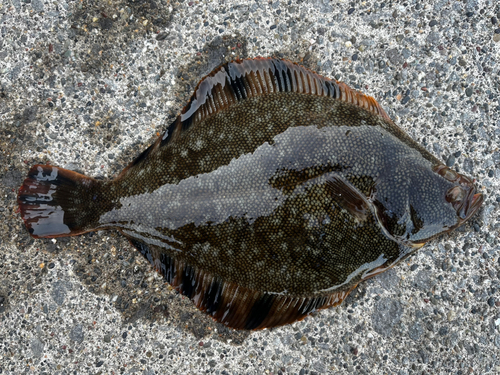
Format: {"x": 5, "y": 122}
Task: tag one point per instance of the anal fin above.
{"x": 228, "y": 303}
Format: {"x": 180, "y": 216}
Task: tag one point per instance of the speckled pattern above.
{"x": 217, "y": 196}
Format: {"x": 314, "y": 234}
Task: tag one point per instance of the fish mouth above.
{"x": 463, "y": 196}
{"x": 470, "y": 205}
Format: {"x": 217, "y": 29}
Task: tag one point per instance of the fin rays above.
{"x": 242, "y": 79}
{"x": 230, "y": 304}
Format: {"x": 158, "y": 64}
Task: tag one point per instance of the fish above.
{"x": 272, "y": 195}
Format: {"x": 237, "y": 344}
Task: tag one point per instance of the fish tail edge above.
{"x": 56, "y": 202}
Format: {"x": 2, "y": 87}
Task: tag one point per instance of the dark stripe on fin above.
{"x": 167, "y": 265}
{"x": 186, "y": 124}
{"x": 162, "y": 262}
{"x": 280, "y": 75}
{"x": 260, "y": 310}
{"x": 143, "y": 248}
{"x": 238, "y": 86}
{"x": 213, "y": 297}
{"x": 187, "y": 283}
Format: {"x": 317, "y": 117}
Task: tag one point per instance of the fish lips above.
{"x": 463, "y": 196}
{"x": 465, "y": 201}
{"x": 470, "y": 205}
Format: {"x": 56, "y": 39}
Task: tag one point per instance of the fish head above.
{"x": 462, "y": 195}
{"x": 443, "y": 201}
{"x": 433, "y": 201}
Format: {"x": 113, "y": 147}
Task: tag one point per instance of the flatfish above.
{"x": 272, "y": 195}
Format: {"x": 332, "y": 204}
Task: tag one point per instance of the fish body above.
{"x": 273, "y": 194}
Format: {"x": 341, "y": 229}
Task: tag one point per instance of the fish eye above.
{"x": 455, "y": 194}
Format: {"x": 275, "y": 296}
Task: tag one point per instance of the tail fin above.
{"x": 57, "y": 202}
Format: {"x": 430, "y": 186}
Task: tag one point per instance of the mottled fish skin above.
{"x": 274, "y": 193}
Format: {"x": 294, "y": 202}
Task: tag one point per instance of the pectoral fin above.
{"x": 349, "y": 197}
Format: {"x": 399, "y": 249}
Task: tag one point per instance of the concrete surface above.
{"x": 87, "y": 85}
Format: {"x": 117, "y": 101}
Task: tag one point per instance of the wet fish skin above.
{"x": 274, "y": 193}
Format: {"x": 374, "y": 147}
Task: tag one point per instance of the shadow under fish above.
{"x": 272, "y": 195}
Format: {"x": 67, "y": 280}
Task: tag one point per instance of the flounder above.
{"x": 272, "y": 195}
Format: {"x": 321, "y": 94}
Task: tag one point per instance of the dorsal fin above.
{"x": 241, "y": 79}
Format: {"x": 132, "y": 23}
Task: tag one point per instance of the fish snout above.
{"x": 465, "y": 201}
{"x": 462, "y": 196}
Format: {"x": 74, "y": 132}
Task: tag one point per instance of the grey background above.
{"x": 87, "y": 85}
